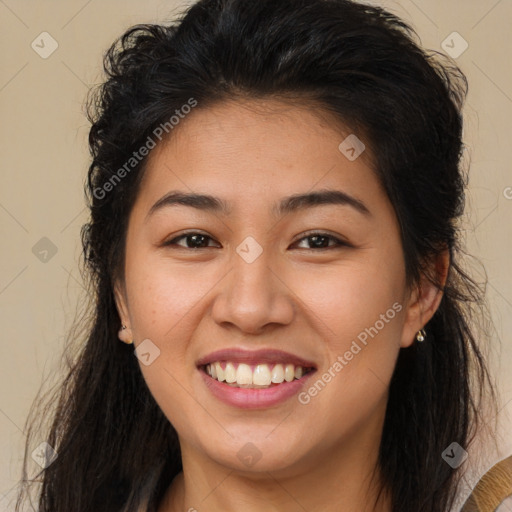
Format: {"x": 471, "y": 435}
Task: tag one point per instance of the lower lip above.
{"x": 254, "y": 398}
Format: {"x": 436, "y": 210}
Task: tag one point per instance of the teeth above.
{"x": 289, "y": 372}
{"x": 221, "y": 376}
{"x": 230, "y": 373}
{"x": 258, "y": 376}
{"x": 278, "y": 374}
{"x": 243, "y": 374}
{"x": 262, "y": 376}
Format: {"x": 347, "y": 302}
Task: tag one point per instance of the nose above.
{"x": 253, "y": 295}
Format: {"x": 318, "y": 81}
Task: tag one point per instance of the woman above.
{"x": 274, "y": 192}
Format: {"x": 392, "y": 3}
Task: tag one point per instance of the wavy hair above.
{"x": 117, "y": 451}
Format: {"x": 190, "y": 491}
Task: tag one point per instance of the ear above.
{"x": 125, "y": 333}
{"x": 424, "y": 299}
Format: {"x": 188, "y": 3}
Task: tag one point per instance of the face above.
{"x": 301, "y": 302}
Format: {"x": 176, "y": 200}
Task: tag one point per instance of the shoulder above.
{"x": 493, "y": 492}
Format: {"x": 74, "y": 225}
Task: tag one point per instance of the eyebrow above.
{"x": 288, "y": 204}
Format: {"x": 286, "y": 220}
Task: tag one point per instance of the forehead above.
{"x": 256, "y": 151}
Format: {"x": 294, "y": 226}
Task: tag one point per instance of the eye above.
{"x": 322, "y": 241}
{"x": 193, "y": 240}
{"x": 317, "y": 241}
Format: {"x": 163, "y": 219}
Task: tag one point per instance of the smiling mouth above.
{"x": 255, "y": 376}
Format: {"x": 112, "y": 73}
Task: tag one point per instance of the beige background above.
{"x": 44, "y": 160}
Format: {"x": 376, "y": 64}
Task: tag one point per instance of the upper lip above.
{"x": 240, "y": 355}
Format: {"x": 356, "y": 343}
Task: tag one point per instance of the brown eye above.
{"x": 192, "y": 241}
{"x": 322, "y": 241}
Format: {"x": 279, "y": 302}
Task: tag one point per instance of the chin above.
{"x": 259, "y": 452}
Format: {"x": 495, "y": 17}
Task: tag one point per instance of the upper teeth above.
{"x": 244, "y": 375}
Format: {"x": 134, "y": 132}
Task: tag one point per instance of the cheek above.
{"x": 164, "y": 297}
{"x": 358, "y": 309}
{"x": 351, "y": 300}
{"x": 165, "y": 305}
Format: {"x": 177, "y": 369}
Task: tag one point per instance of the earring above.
{"x": 421, "y": 335}
{"x": 123, "y": 336}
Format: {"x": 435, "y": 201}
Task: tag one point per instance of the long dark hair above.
{"x": 116, "y": 449}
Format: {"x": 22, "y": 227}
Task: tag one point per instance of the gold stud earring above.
{"x": 122, "y": 336}
{"x": 421, "y": 335}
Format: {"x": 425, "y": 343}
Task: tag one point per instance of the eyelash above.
{"x": 338, "y": 243}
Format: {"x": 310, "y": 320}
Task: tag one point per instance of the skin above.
{"x": 294, "y": 297}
